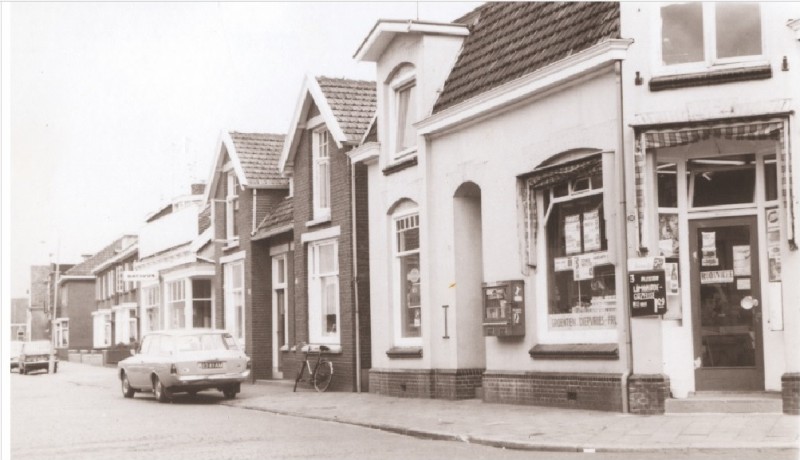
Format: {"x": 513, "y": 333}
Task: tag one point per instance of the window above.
{"x": 407, "y": 272}
{"x": 176, "y": 304}
{"x": 232, "y": 206}
{"x": 62, "y": 333}
{"x": 404, "y": 109}
{"x": 133, "y": 334}
{"x": 722, "y": 180}
{"x": 234, "y": 299}
{"x": 107, "y": 326}
{"x": 667, "y": 183}
{"x": 201, "y": 303}
{"x": 279, "y": 298}
{"x": 151, "y": 301}
{"x": 581, "y": 278}
{"x": 323, "y": 291}
{"x": 120, "y": 281}
{"x": 710, "y": 33}
{"x": 321, "y": 174}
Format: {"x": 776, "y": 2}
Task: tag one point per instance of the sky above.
{"x": 115, "y": 108}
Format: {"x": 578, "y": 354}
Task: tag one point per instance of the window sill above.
{"x": 404, "y": 352}
{"x": 400, "y": 165}
{"x": 318, "y": 221}
{"x": 711, "y": 77}
{"x": 334, "y": 349}
{"x": 593, "y": 351}
{"x": 231, "y": 244}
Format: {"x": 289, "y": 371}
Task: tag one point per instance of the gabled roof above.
{"x": 85, "y": 268}
{"x": 254, "y": 157}
{"x": 384, "y": 31}
{"x": 508, "y": 40}
{"x": 278, "y": 218}
{"x": 346, "y": 106}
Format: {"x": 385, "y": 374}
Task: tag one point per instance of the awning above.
{"x": 772, "y": 129}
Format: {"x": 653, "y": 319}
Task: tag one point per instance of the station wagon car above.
{"x": 185, "y": 361}
{"x": 36, "y": 355}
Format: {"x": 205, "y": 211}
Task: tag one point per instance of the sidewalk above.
{"x": 503, "y": 425}
{"x": 527, "y": 427}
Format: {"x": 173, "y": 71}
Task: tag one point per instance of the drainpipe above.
{"x": 621, "y": 177}
{"x": 355, "y": 271}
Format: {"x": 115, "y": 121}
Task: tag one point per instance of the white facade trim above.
{"x": 365, "y": 153}
{"x": 555, "y": 74}
{"x": 325, "y": 233}
{"x": 233, "y": 257}
{"x": 190, "y": 272}
{"x": 385, "y": 30}
{"x": 279, "y": 249}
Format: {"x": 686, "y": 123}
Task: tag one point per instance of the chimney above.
{"x": 198, "y": 189}
{"x": 85, "y": 257}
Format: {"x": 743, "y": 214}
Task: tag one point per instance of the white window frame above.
{"x": 405, "y": 80}
{"x": 397, "y": 315}
{"x": 276, "y": 286}
{"x": 709, "y": 44}
{"x": 231, "y": 206}
{"x": 321, "y": 155}
{"x": 210, "y": 300}
{"x": 315, "y": 283}
{"x": 230, "y": 294}
{"x": 62, "y": 333}
{"x": 151, "y": 300}
{"x": 172, "y": 300}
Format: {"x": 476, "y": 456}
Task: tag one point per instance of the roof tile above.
{"x": 278, "y": 216}
{"x": 353, "y": 103}
{"x": 512, "y": 39}
{"x": 86, "y": 267}
{"x": 259, "y": 154}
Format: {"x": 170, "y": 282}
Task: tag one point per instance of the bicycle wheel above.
{"x": 299, "y": 375}
{"x": 322, "y": 375}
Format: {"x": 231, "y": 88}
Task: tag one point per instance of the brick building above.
{"x": 19, "y": 319}
{"x": 243, "y": 187}
{"x": 331, "y": 263}
{"x": 115, "y": 319}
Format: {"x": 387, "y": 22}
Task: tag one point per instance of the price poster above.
{"x": 648, "y": 293}
{"x": 591, "y": 230}
{"x": 572, "y": 233}
{"x": 773, "y": 245}
{"x": 709, "y": 250}
{"x": 584, "y": 268}
{"x": 741, "y": 260}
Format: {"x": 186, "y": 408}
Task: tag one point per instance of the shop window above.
{"x": 234, "y": 299}
{"x": 770, "y": 178}
{"x": 201, "y": 303}
{"x": 151, "y": 301}
{"x": 176, "y": 304}
{"x": 232, "y": 206}
{"x": 323, "y": 291}
{"x": 321, "y": 174}
{"x": 710, "y": 32}
{"x": 722, "y": 180}
{"x": 667, "y": 180}
{"x": 408, "y": 276}
{"x": 403, "y": 111}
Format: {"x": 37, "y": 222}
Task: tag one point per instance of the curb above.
{"x": 519, "y": 445}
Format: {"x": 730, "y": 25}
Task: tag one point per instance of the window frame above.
{"x": 151, "y": 300}
{"x": 397, "y": 291}
{"x": 405, "y": 79}
{"x": 171, "y": 301}
{"x": 315, "y": 293}
{"x": 320, "y": 138}
{"x": 194, "y": 298}
{"x": 277, "y": 285}
{"x": 231, "y": 310}
{"x": 710, "y": 60}
{"x": 231, "y": 206}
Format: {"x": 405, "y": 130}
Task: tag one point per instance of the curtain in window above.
{"x": 762, "y": 130}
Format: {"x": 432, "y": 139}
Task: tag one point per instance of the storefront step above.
{"x": 726, "y": 402}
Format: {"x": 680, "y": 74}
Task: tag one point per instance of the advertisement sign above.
{"x": 572, "y": 233}
{"x": 139, "y": 277}
{"x": 716, "y": 277}
{"x": 648, "y": 293}
{"x": 591, "y": 231}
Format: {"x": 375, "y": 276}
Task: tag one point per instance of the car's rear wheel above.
{"x": 55, "y": 368}
{"x": 127, "y": 391}
{"x": 160, "y": 391}
{"x": 229, "y": 392}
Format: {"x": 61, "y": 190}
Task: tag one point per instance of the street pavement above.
{"x": 508, "y": 426}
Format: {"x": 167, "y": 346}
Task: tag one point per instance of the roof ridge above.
{"x": 353, "y": 80}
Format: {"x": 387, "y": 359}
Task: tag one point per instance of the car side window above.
{"x": 146, "y": 343}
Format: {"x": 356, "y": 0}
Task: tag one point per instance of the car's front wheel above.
{"x": 229, "y": 392}
{"x": 160, "y": 391}
{"x": 127, "y": 391}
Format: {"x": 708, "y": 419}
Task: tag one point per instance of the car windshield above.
{"x": 201, "y": 342}
{"x": 37, "y": 347}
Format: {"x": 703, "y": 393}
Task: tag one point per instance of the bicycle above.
{"x": 322, "y": 372}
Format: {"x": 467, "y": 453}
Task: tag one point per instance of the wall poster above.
{"x": 647, "y": 292}
{"x": 572, "y": 233}
{"x": 668, "y": 235}
{"x": 741, "y": 260}
{"x": 709, "y": 250}
{"x": 773, "y": 245}
{"x": 591, "y": 231}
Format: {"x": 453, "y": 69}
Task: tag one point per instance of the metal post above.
{"x": 51, "y": 364}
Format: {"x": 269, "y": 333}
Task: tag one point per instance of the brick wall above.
{"x": 79, "y": 308}
{"x": 790, "y": 392}
{"x": 341, "y": 216}
{"x": 426, "y": 383}
{"x": 647, "y": 393}
{"x": 578, "y": 390}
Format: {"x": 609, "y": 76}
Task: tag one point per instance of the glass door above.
{"x": 726, "y": 310}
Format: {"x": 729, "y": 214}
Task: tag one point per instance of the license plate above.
{"x": 211, "y": 365}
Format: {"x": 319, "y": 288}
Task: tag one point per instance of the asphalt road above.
{"x": 69, "y": 416}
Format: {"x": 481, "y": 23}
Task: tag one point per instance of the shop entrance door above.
{"x": 726, "y": 309}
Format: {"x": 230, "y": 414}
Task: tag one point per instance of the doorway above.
{"x": 726, "y": 309}
{"x": 279, "y": 310}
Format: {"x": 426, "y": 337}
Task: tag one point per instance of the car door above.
{"x": 137, "y": 372}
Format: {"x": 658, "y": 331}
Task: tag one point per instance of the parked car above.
{"x": 36, "y": 355}
{"x": 185, "y": 361}
{"x": 14, "y": 350}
